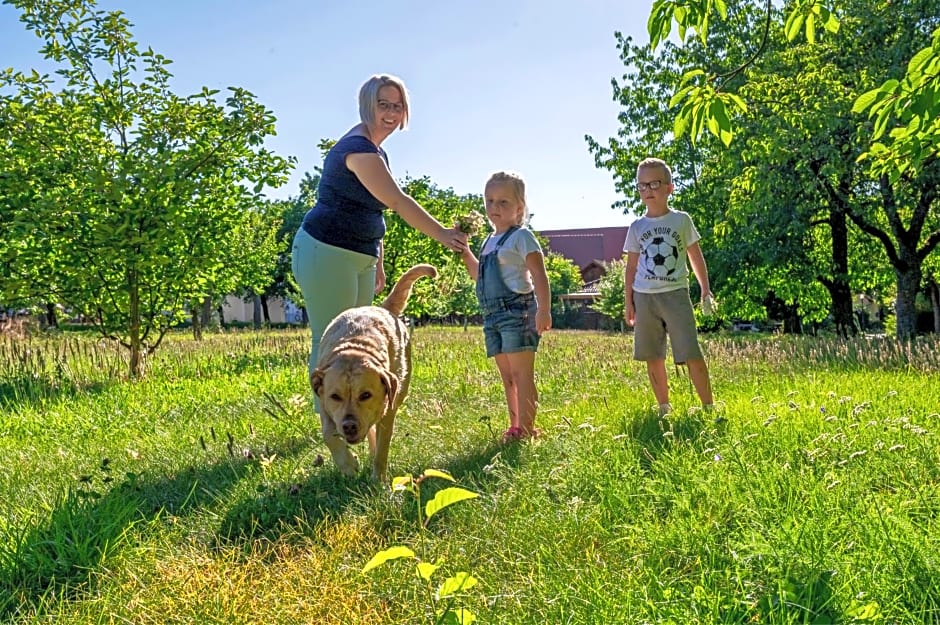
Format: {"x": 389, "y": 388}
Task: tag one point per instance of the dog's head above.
{"x": 354, "y": 394}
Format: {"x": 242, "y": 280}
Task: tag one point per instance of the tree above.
{"x": 895, "y": 203}
{"x": 712, "y": 183}
{"x": 563, "y": 277}
{"x": 292, "y": 213}
{"x": 405, "y": 246}
{"x": 610, "y": 291}
{"x": 125, "y": 197}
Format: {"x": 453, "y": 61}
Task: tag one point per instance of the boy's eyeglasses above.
{"x": 386, "y": 106}
{"x": 652, "y": 185}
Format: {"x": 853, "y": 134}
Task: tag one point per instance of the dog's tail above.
{"x": 398, "y": 297}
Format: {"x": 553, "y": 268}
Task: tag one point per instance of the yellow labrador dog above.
{"x": 362, "y": 376}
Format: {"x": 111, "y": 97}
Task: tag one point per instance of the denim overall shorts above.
{"x": 508, "y": 317}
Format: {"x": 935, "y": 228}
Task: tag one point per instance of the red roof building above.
{"x": 588, "y": 248}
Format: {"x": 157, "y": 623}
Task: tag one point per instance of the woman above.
{"x": 337, "y": 252}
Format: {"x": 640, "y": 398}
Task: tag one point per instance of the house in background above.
{"x": 238, "y": 310}
{"x": 590, "y": 249}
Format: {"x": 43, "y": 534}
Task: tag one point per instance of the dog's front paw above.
{"x": 347, "y": 463}
{"x": 380, "y": 477}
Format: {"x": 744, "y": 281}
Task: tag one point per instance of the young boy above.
{"x": 656, "y": 285}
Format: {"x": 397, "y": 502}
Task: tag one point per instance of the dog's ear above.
{"x": 390, "y": 382}
{"x": 316, "y": 380}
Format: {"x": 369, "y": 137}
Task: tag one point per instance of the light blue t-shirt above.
{"x": 661, "y": 243}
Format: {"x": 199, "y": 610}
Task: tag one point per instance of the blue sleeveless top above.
{"x": 346, "y": 214}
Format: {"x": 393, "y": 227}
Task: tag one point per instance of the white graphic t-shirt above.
{"x": 661, "y": 243}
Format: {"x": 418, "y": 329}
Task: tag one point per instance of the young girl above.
{"x": 513, "y": 290}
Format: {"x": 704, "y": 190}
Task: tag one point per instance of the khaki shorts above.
{"x": 661, "y": 314}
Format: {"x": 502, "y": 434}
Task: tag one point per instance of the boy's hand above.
{"x": 629, "y": 314}
{"x": 708, "y": 305}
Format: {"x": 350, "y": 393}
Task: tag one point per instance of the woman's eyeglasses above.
{"x": 385, "y": 106}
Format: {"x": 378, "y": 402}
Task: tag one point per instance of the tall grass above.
{"x": 203, "y": 493}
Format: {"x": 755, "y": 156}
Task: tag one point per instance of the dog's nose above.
{"x": 350, "y": 428}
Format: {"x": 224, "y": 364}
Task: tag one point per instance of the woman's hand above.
{"x": 453, "y": 239}
{"x": 379, "y": 278}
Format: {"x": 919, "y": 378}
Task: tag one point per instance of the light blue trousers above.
{"x": 331, "y": 280}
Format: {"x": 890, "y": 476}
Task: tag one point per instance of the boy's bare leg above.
{"x": 698, "y": 372}
{"x": 656, "y": 370}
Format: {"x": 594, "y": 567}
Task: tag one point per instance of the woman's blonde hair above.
{"x": 517, "y": 184}
{"x": 369, "y": 98}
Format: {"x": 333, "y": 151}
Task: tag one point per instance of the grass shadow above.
{"x": 56, "y": 557}
{"x": 26, "y": 390}
{"x": 326, "y": 495}
{"x": 657, "y": 435}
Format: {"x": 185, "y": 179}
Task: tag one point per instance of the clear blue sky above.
{"x": 495, "y": 84}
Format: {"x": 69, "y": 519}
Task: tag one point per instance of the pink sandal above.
{"x": 513, "y": 434}
{"x": 516, "y": 433}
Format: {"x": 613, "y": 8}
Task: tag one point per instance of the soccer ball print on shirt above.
{"x": 661, "y": 257}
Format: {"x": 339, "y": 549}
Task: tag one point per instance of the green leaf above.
{"x": 402, "y": 482}
{"x": 681, "y": 123}
{"x": 917, "y": 61}
{"x": 437, "y": 473}
{"x": 865, "y": 100}
{"x": 660, "y": 22}
{"x": 460, "y": 616}
{"x": 457, "y": 583}
{"x": 890, "y": 86}
{"x": 426, "y": 569}
{"x": 830, "y": 21}
{"x": 722, "y": 9}
{"x": 737, "y": 101}
{"x": 811, "y": 28}
{"x": 382, "y": 557}
{"x": 447, "y": 497}
{"x": 686, "y": 77}
{"x": 794, "y": 23}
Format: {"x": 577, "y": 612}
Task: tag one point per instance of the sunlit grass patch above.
{"x": 208, "y": 495}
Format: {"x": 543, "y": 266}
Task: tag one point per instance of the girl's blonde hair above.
{"x": 517, "y": 184}
{"x": 369, "y": 98}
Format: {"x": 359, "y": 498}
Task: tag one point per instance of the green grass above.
{"x": 198, "y": 495}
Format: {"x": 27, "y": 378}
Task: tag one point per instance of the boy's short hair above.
{"x": 515, "y": 181}
{"x": 369, "y": 98}
{"x": 655, "y": 163}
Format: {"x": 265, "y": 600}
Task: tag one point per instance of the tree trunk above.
{"x": 933, "y": 294}
{"x": 791, "y": 320}
{"x": 52, "y": 320}
{"x": 207, "y": 312}
{"x": 136, "y": 357}
{"x": 838, "y": 286}
{"x": 908, "y": 284}
{"x": 264, "y": 309}
{"x": 256, "y": 317}
{"x": 197, "y": 324}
